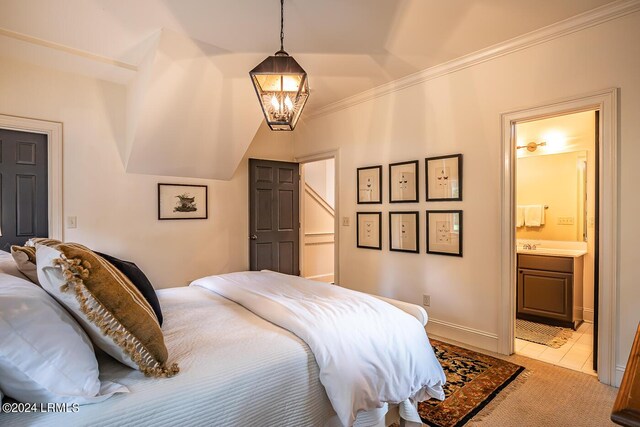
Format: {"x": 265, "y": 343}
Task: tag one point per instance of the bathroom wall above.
{"x": 553, "y": 181}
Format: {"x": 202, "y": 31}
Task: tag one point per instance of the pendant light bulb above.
{"x": 274, "y": 102}
{"x": 288, "y": 103}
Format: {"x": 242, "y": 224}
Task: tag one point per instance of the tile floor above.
{"x": 576, "y": 354}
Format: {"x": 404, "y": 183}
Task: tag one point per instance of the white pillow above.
{"x": 44, "y": 354}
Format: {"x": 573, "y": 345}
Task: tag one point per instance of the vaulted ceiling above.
{"x": 191, "y": 109}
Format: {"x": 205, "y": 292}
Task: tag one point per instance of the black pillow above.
{"x": 138, "y": 278}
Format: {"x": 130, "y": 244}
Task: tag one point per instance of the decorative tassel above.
{"x": 74, "y": 271}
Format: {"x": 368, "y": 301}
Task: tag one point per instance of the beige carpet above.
{"x": 549, "y": 396}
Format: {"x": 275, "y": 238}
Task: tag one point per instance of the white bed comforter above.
{"x": 236, "y": 369}
{"x": 368, "y": 351}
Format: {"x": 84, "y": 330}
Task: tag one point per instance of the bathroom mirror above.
{"x": 552, "y": 197}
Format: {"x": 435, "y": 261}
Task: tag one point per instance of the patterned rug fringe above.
{"x": 500, "y": 397}
{"x": 474, "y": 381}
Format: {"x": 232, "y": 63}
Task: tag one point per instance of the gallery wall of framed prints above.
{"x": 444, "y": 232}
{"x": 444, "y": 178}
{"x": 370, "y": 185}
{"x": 403, "y": 182}
{"x": 443, "y": 183}
{"x": 369, "y": 229}
{"x": 404, "y": 231}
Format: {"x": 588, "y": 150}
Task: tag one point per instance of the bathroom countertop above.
{"x": 570, "y": 253}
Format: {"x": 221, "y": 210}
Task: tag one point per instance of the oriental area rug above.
{"x": 473, "y": 380}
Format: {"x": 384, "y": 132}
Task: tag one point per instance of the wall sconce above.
{"x": 532, "y": 146}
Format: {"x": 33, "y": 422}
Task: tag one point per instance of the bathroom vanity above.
{"x": 550, "y": 286}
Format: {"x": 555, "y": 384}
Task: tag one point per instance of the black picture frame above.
{"x": 379, "y": 182}
{"x": 163, "y": 216}
{"x": 427, "y": 175}
{"x": 379, "y": 243}
{"x": 416, "y": 214}
{"x": 393, "y": 190}
{"x": 460, "y": 239}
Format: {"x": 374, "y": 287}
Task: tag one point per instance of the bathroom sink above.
{"x": 574, "y": 253}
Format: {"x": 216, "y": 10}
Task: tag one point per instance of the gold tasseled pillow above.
{"x": 110, "y": 308}
{"x": 25, "y": 258}
{"x": 34, "y": 241}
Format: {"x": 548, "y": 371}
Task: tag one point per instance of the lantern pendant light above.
{"x": 281, "y": 85}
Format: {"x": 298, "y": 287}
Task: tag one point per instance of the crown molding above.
{"x": 559, "y": 29}
{"x": 66, "y": 49}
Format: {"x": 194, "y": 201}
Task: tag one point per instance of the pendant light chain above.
{"x": 281, "y": 24}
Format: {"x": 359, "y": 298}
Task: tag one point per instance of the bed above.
{"x": 236, "y": 369}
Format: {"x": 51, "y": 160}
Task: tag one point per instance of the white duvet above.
{"x": 368, "y": 351}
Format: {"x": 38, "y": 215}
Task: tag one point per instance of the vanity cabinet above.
{"x": 550, "y": 289}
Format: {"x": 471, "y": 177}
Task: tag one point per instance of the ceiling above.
{"x": 186, "y": 62}
{"x": 346, "y": 46}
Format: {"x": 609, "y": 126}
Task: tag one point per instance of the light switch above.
{"x": 345, "y": 221}
{"x": 72, "y": 222}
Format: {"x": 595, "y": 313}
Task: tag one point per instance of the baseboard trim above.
{"x": 463, "y": 334}
{"x": 619, "y": 374}
{"x": 588, "y": 315}
{"x": 320, "y": 276}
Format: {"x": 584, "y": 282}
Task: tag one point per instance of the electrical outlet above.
{"x": 565, "y": 220}
{"x": 426, "y": 300}
{"x": 345, "y": 221}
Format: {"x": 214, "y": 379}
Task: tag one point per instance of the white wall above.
{"x": 460, "y": 113}
{"x": 318, "y": 220}
{"x": 117, "y": 212}
{"x": 320, "y": 175}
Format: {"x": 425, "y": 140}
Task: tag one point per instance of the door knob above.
{"x": 253, "y": 237}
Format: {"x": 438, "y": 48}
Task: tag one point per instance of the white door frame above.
{"x": 333, "y": 154}
{"x": 606, "y": 102}
{"x": 53, "y": 130}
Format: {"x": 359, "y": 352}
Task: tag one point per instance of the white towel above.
{"x": 520, "y": 216}
{"x": 534, "y": 215}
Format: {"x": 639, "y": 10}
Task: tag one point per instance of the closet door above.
{"x": 23, "y": 187}
{"x": 274, "y": 216}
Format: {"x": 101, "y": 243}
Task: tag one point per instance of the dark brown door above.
{"x": 274, "y": 216}
{"x": 23, "y": 187}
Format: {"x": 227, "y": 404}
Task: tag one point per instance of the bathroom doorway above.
{"x": 556, "y": 230}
